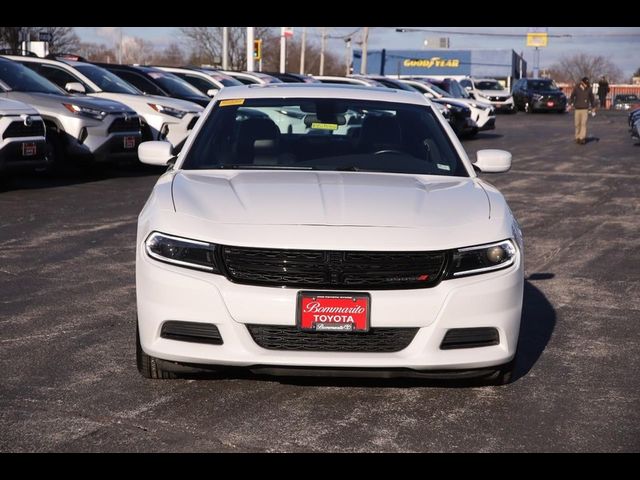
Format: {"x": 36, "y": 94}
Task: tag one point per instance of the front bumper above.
{"x": 166, "y": 292}
{"x": 12, "y": 154}
{"x": 552, "y": 104}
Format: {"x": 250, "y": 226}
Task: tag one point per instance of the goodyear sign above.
{"x": 416, "y": 62}
{"x": 431, "y": 62}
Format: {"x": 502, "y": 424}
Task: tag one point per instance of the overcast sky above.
{"x": 619, "y": 44}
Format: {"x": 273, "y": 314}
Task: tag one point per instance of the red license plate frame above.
{"x": 29, "y": 149}
{"x": 333, "y": 312}
{"x": 129, "y": 142}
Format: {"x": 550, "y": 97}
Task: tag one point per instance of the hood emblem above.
{"x": 27, "y": 120}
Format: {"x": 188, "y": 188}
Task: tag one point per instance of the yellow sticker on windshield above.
{"x": 234, "y": 101}
{"x": 324, "y": 126}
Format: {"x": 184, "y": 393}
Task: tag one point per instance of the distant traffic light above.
{"x": 257, "y": 49}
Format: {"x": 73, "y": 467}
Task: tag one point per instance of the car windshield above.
{"x": 107, "y": 81}
{"x": 438, "y": 90}
{"x": 489, "y": 85}
{"x": 324, "y": 134}
{"x": 457, "y": 91}
{"x": 175, "y": 85}
{"x": 225, "y": 80}
{"x": 543, "y": 85}
{"x": 22, "y": 79}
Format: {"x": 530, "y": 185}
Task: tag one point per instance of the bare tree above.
{"x": 572, "y": 68}
{"x": 205, "y": 44}
{"x": 137, "y": 50}
{"x": 172, "y": 56}
{"x": 271, "y": 51}
{"x": 63, "y": 39}
{"x": 97, "y": 52}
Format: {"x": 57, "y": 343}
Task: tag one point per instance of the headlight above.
{"x": 181, "y": 251}
{"x": 174, "y": 112}
{"x": 482, "y": 258}
{"x": 94, "y": 113}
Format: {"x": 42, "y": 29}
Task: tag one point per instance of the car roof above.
{"x": 321, "y": 90}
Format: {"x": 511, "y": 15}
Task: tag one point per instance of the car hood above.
{"x": 12, "y": 107}
{"x": 134, "y": 100}
{"x": 329, "y": 198}
{"x": 495, "y": 93}
{"x": 44, "y": 100}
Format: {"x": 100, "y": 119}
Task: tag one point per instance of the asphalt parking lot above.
{"x": 67, "y": 317}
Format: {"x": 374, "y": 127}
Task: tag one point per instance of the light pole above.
{"x": 323, "y": 45}
{"x": 225, "y": 48}
{"x": 365, "y": 41}
{"x": 250, "y": 62}
{"x": 302, "y": 49}
{"x": 283, "y": 51}
{"x": 347, "y": 57}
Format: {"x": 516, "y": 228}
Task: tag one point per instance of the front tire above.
{"x": 148, "y": 365}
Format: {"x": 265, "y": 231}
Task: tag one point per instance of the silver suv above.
{"x": 163, "y": 118}
{"x": 78, "y": 127}
{"x": 22, "y": 137}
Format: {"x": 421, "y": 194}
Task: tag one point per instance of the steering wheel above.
{"x": 390, "y": 150}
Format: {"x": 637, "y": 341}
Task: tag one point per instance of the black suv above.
{"x": 532, "y": 94}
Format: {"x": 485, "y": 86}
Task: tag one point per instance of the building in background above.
{"x": 501, "y": 64}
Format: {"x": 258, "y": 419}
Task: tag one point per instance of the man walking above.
{"x": 603, "y": 90}
{"x": 581, "y": 100}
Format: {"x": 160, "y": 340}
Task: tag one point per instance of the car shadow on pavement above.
{"x": 75, "y": 175}
{"x": 482, "y": 136}
{"x": 538, "y": 322}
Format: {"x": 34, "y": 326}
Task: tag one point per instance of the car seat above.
{"x": 257, "y": 142}
{"x": 380, "y": 133}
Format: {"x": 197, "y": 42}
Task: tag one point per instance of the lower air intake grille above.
{"x": 191, "y": 332}
{"x": 470, "y": 338}
{"x": 375, "y": 340}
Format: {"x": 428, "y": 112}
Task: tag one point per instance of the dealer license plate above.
{"x": 129, "y": 142}
{"x": 29, "y": 149}
{"x": 550, "y": 104}
{"x": 333, "y": 312}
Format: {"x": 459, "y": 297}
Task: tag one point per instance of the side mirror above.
{"x": 468, "y": 89}
{"x": 75, "y": 87}
{"x": 212, "y": 92}
{"x": 155, "y": 153}
{"x": 492, "y": 161}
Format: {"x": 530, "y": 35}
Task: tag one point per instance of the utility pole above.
{"x": 283, "y": 51}
{"x": 250, "y": 63}
{"x": 323, "y": 45}
{"x": 347, "y": 58}
{"x": 225, "y": 48}
{"x": 365, "y": 41}
{"x": 302, "y": 49}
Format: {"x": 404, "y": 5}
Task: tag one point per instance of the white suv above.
{"x": 490, "y": 90}
{"x": 307, "y": 226}
{"x": 163, "y": 118}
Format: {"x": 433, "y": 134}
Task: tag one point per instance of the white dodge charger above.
{"x": 334, "y": 229}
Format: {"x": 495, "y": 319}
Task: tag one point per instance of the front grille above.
{"x": 333, "y": 268}
{"x": 498, "y": 99}
{"x": 130, "y": 124}
{"x": 376, "y": 340}
{"x": 19, "y": 129}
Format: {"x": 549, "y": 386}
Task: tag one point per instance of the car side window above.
{"x": 198, "y": 82}
{"x": 139, "y": 82}
{"x": 466, "y": 83}
{"x": 59, "y": 76}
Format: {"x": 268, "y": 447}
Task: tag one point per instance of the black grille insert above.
{"x": 19, "y": 129}
{"x": 130, "y": 124}
{"x": 191, "y": 332}
{"x": 470, "y": 338}
{"x": 376, "y": 340}
{"x": 333, "y": 269}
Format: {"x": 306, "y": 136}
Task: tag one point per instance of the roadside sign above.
{"x": 537, "y": 37}
{"x": 286, "y": 32}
